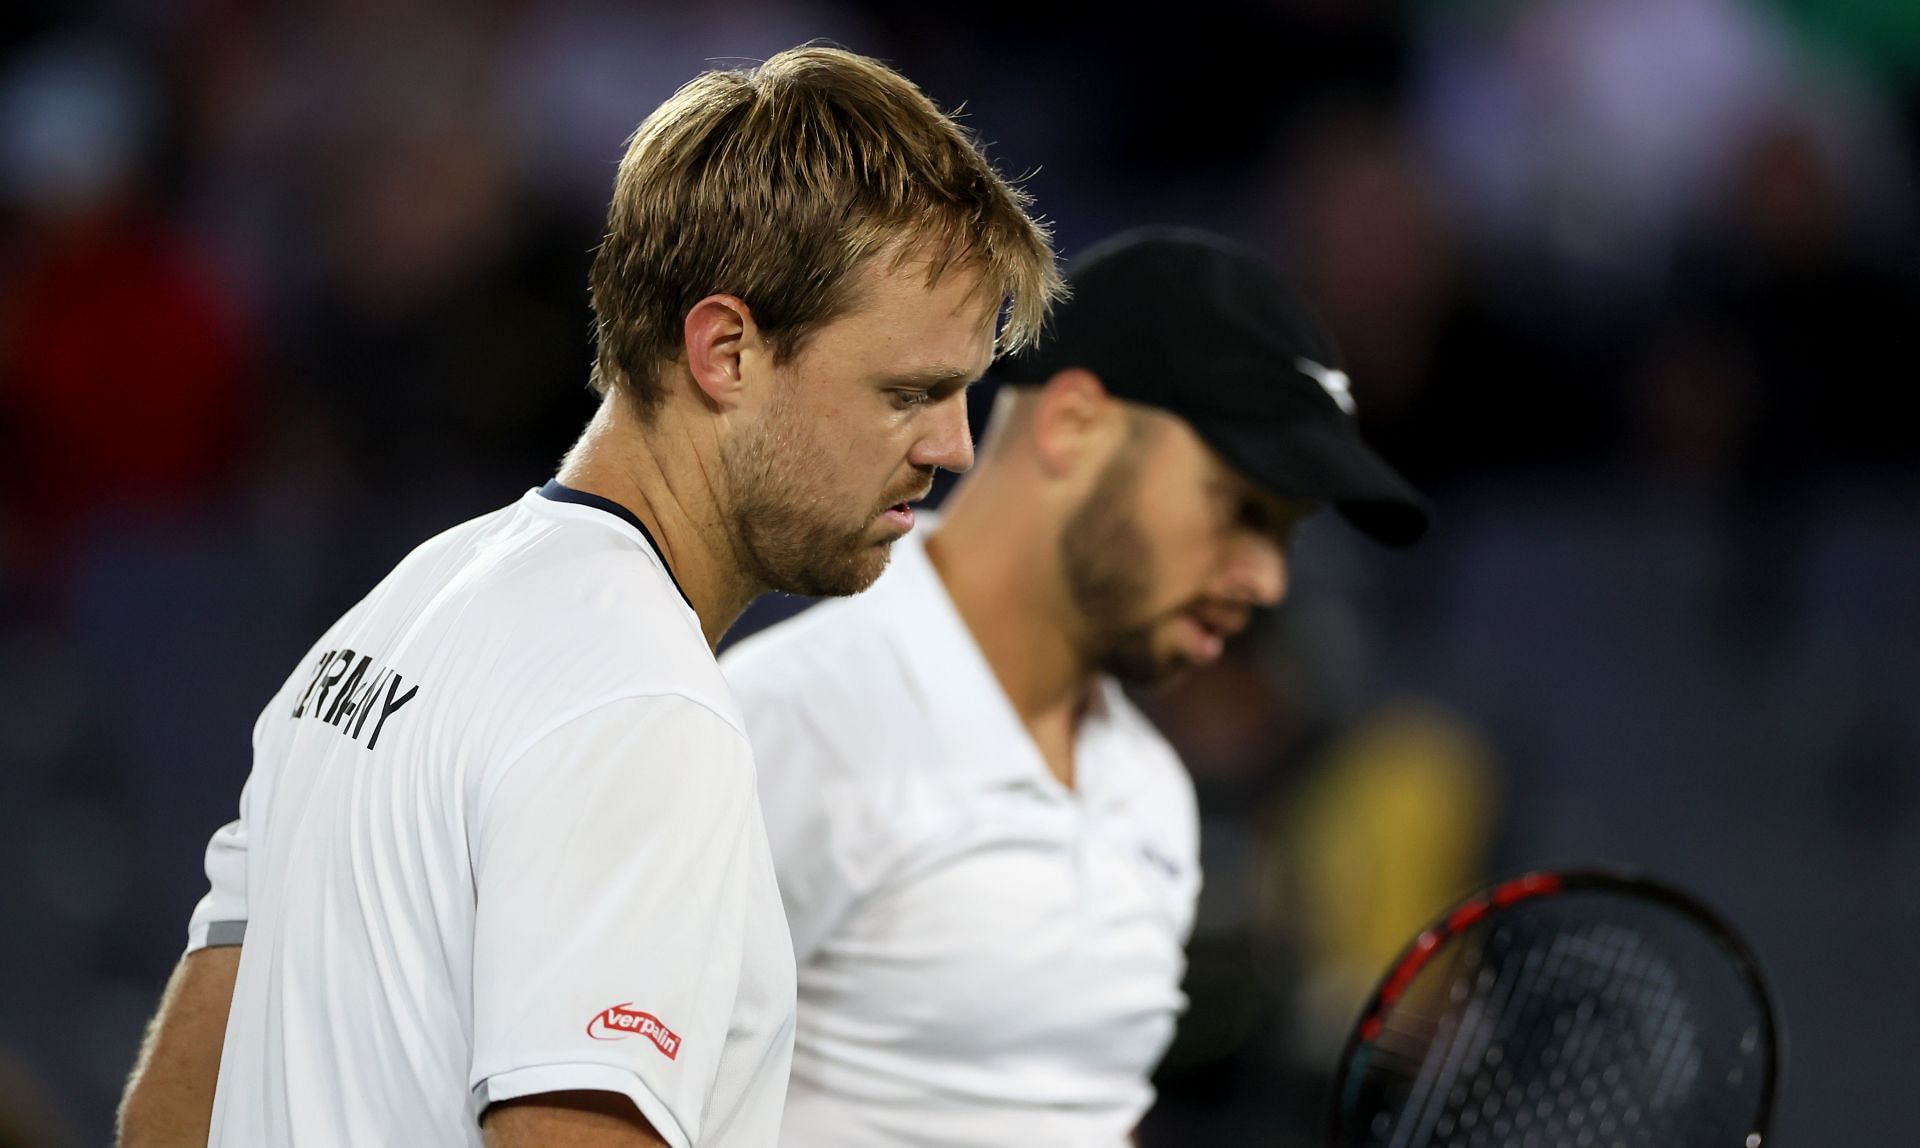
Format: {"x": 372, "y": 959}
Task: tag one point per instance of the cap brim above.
{"x": 1326, "y": 463}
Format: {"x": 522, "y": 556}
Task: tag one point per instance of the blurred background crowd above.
{"x": 1623, "y": 284}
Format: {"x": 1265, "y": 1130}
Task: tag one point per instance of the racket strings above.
{"x": 1553, "y": 1032}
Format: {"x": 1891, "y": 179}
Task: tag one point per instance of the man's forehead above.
{"x": 947, "y": 347}
{"x": 899, "y": 327}
{"x": 917, "y": 283}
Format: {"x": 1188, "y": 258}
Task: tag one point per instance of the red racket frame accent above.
{"x": 1551, "y": 883}
{"x": 1430, "y": 939}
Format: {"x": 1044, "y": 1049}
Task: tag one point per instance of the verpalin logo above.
{"x": 622, "y": 1021}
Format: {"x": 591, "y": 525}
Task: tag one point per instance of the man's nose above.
{"x": 948, "y": 442}
{"x": 1258, "y": 569}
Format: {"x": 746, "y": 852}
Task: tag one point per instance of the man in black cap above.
{"x": 988, "y": 857}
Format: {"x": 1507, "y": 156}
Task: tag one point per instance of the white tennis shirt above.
{"x": 502, "y": 838}
{"x": 986, "y": 957}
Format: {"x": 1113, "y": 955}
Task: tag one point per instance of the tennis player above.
{"x": 988, "y": 856}
{"x": 499, "y": 874}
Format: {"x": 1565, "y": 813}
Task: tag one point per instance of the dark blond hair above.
{"x": 776, "y": 184}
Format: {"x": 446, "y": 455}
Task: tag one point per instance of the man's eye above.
{"x": 1261, "y": 518}
{"x": 904, "y": 399}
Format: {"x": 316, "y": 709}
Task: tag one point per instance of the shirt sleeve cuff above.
{"x": 213, "y": 934}
{"x": 533, "y": 1081}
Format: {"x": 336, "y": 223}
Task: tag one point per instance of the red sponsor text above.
{"x": 622, "y": 1021}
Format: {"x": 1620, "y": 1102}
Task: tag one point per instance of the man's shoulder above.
{"x": 573, "y": 639}
{"x": 837, "y": 648}
{"x": 828, "y": 686}
{"x": 675, "y": 726}
{"x": 530, "y": 614}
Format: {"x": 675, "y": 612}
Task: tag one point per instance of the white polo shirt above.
{"x": 986, "y": 957}
{"x": 501, "y": 838}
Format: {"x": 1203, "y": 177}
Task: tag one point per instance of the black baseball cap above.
{"x": 1206, "y": 329}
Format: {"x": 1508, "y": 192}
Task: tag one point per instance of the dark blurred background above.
{"x": 1628, "y": 285}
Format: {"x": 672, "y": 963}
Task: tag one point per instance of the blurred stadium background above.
{"x": 1625, "y": 284}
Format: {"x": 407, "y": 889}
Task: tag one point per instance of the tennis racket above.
{"x": 1578, "y": 1009}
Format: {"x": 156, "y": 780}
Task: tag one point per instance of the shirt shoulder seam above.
{"x": 512, "y": 760}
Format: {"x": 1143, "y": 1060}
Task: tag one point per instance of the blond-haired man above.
{"x": 499, "y": 875}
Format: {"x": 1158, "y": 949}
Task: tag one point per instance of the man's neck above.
{"x": 666, "y": 480}
{"x": 1002, "y": 570}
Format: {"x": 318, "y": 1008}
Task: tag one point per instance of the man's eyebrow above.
{"x": 934, "y": 376}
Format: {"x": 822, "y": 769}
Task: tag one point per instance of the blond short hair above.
{"x": 776, "y": 184}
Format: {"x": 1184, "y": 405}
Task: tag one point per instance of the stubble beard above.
{"x": 793, "y": 535}
{"x": 1109, "y": 571}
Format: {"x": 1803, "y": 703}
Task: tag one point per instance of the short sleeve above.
{"x": 221, "y": 916}
{"x": 615, "y": 865}
{"x": 808, "y": 812}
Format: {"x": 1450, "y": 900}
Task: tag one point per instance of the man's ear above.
{"x": 718, "y": 331}
{"x": 1076, "y": 423}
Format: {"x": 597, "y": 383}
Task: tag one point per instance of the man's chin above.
{"x": 848, "y": 572}
{"x": 1143, "y": 668}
